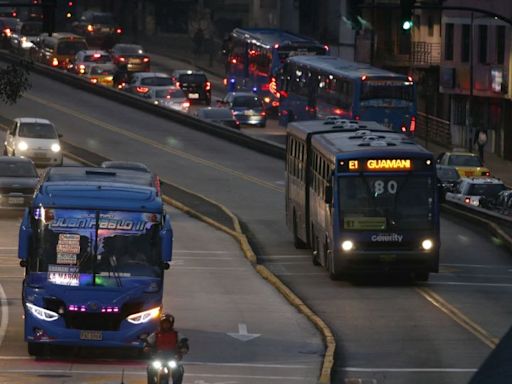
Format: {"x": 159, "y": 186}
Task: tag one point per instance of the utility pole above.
{"x": 469, "y": 114}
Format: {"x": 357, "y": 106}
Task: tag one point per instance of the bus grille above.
{"x": 93, "y": 321}
{"x": 389, "y": 246}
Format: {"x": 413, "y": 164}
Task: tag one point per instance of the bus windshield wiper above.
{"x": 112, "y": 261}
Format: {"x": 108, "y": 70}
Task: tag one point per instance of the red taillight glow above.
{"x": 7, "y": 32}
{"x": 94, "y": 80}
{"x": 276, "y": 46}
{"x": 145, "y": 59}
{"x": 55, "y": 62}
{"x": 177, "y": 84}
{"x": 486, "y": 173}
{"x": 467, "y": 200}
{"x": 186, "y": 104}
{"x": 263, "y": 113}
{"x": 97, "y": 55}
{"x": 225, "y": 81}
{"x": 14, "y": 14}
{"x": 207, "y": 86}
{"x": 142, "y": 89}
{"x": 413, "y": 124}
{"x": 90, "y": 28}
{"x": 338, "y": 111}
{"x": 265, "y": 87}
{"x": 326, "y": 47}
{"x": 357, "y": 117}
{"x": 404, "y": 128}
{"x": 122, "y": 59}
{"x": 409, "y": 78}
{"x": 364, "y": 77}
{"x": 119, "y": 30}
{"x": 275, "y": 103}
{"x": 233, "y": 61}
{"x": 283, "y": 93}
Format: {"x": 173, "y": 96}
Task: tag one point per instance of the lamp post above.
{"x": 469, "y": 113}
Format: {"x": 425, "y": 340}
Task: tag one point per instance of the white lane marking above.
{"x": 242, "y": 334}
{"x": 353, "y": 369}
{"x": 143, "y": 373}
{"x": 5, "y": 314}
{"x": 463, "y": 239}
{"x": 470, "y": 284}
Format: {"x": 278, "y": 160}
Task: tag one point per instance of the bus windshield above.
{"x": 378, "y": 91}
{"x": 74, "y": 245}
{"x": 290, "y": 51}
{"x": 386, "y": 202}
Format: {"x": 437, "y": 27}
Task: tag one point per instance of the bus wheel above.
{"x": 422, "y": 276}
{"x": 35, "y": 349}
{"x": 297, "y": 242}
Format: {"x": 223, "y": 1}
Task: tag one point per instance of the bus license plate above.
{"x": 15, "y": 200}
{"x": 193, "y": 95}
{"x": 91, "y": 335}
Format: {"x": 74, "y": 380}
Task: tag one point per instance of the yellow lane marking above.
{"x": 157, "y": 145}
{"x": 459, "y": 317}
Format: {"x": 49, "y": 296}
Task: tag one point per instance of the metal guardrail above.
{"x": 435, "y": 130}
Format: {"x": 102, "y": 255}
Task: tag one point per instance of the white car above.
{"x": 470, "y": 190}
{"x": 169, "y": 97}
{"x": 36, "y": 139}
{"x": 142, "y": 82}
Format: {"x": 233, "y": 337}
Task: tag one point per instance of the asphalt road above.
{"x": 386, "y": 331}
{"x": 211, "y": 289}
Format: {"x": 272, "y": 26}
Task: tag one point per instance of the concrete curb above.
{"x": 264, "y": 272}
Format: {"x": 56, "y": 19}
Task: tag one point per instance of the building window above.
{"x": 448, "y": 42}
{"x": 459, "y": 111}
{"x": 464, "y": 48}
{"x": 482, "y": 44}
{"x": 500, "y": 44}
{"x": 430, "y": 24}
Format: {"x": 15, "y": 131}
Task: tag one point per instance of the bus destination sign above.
{"x": 376, "y": 165}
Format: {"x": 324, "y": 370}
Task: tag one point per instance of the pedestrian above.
{"x": 480, "y": 140}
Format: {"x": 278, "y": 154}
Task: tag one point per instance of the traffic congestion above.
{"x": 140, "y": 239}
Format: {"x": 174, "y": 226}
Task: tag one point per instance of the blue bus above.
{"x": 362, "y": 197}
{"x": 253, "y": 57}
{"x": 94, "y": 244}
{"x": 321, "y": 86}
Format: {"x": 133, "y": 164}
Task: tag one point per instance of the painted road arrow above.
{"x": 242, "y": 334}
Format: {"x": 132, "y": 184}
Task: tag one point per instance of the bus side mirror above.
{"x": 25, "y": 237}
{"x": 328, "y": 194}
{"x": 166, "y": 240}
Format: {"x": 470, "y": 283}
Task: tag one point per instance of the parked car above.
{"x": 467, "y": 164}
{"x": 131, "y": 55}
{"x": 34, "y": 138}
{"x": 24, "y": 35}
{"x": 448, "y": 177}
{"x": 222, "y": 116}
{"x": 18, "y": 180}
{"x": 470, "y": 191}
{"x": 169, "y": 97}
{"x": 87, "y": 58}
{"x": 247, "y": 108}
{"x": 141, "y": 83}
{"x": 101, "y": 74}
{"x": 7, "y": 25}
{"x": 194, "y": 84}
{"x": 98, "y": 28}
{"x": 135, "y": 166}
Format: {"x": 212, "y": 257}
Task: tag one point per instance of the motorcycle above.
{"x": 166, "y": 368}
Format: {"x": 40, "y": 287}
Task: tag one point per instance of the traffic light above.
{"x": 406, "y": 14}
{"x": 48, "y": 15}
{"x": 70, "y": 9}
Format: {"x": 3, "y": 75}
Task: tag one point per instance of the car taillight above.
{"x": 90, "y": 28}
{"x": 94, "y": 80}
{"x": 186, "y": 104}
{"x": 486, "y": 173}
{"x": 55, "y": 62}
{"x": 263, "y": 113}
{"x": 467, "y": 200}
{"x": 357, "y": 117}
{"x": 413, "y": 124}
{"x": 7, "y": 32}
{"x": 119, "y": 31}
{"x": 275, "y": 103}
{"x": 178, "y": 84}
{"x": 122, "y": 59}
{"x": 265, "y": 87}
{"x": 145, "y": 59}
{"x": 142, "y": 89}
{"x": 225, "y": 81}
{"x": 81, "y": 68}
{"x": 403, "y": 128}
{"x": 207, "y": 86}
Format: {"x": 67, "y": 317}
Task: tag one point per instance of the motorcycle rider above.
{"x": 167, "y": 341}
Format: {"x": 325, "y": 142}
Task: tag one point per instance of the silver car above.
{"x": 169, "y": 97}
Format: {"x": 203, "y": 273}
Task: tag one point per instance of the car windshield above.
{"x": 386, "y": 202}
{"x": 70, "y": 47}
{"x": 464, "y": 161}
{"x": 95, "y": 70}
{"x": 37, "y": 131}
{"x": 74, "y": 245}
{"x": 129, "y": 49}
{"x": 487, "y": 190}
{"x": 221, "y": 114}
{"x": 98, "y": 58}
{"x": 17, "y": 169}
{"x": 247, "y": 102}
{"x": 192, "y": 78}
{"x": 447, "y": 173}
{"x": 103, "y": 19}
{"x": 156, "y": 81}
{"x": 169, "y": 94}
{"x": 31, "y": 29}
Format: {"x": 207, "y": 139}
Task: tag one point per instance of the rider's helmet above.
{"x": 167, "y": 317}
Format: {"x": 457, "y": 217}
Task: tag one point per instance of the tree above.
{"x": 14, "y": 81}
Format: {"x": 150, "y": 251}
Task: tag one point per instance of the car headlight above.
{"x": 157, "y": 364}
{"x": 42, "y": 313}
{"x": 427, "y": 244}
{"x": 22, "y": 146}
{"x": 55, "y": 147}
{"x": 144, "y": 317}
{"x": 172, "y": 364}
{"x": 347, "y": 245}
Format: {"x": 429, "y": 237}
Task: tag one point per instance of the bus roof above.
{"x": 337, "y": 66}
{"x": 271, "y": 37}
{"x": 362, "y": 139}
{"x": 98, "y": 188}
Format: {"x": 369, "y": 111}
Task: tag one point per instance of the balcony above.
{"x": 425, "y": 54}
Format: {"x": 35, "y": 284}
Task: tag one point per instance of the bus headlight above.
{"x": 55, "y": 147}
{"x": 22, "y": 146}
{"x": 41, "y": 313}
{"x": 173, "y": 364}
{"x": 427, "y": 244}
{"x": 347, "y": 245}
{"x": 144, "y": 317}
{"x": 157, "y": 364}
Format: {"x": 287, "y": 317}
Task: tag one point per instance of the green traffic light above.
{"x": 407, "y": 25}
